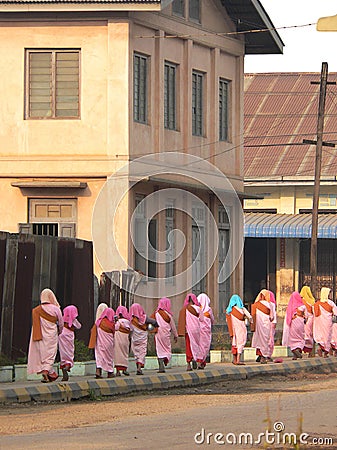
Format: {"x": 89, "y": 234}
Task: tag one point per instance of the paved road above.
{"x": 182, "y": 421}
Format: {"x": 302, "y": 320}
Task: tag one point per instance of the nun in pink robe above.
{"x": 122, "y": 341}
{"x": 102, "y": 340}
{"x": 324, "y": 309}
{"x": 47, "y": 323}
{"x": 190, "y": 317}
{"x": 139, "y": 336}
{"x": 67, "y": 339}
{"x": 293, "y": 326}
{"x": 262, "y": 313}
{"x": 309, "y": 301}
{"x": 236, "y": 314}
{"x": 164, "y": 318}
{"x": 205, "y": 326}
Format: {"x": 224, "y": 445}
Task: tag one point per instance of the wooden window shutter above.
{"x": 67, "y": 230}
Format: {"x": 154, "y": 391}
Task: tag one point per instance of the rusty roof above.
{"x": 280, "y": 111}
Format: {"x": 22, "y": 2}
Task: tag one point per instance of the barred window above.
{"x": 170, "y": 96}
{"x": 140, "y": 81}
{"x": 52, "y": 84}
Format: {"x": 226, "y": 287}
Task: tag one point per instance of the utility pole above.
{"x": 318, "y": 164}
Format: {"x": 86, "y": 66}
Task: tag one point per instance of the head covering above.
{"x": 204, "y": 302}
{"x": 234, "y": 301}
{"x": 193, "y": 297}
{"x": 123, "y": 310}
{"x": 263, "y": 295}
{"x": 69, "y": 314}
{"x": 307, "y": 295}
{"x": 137, "y": 310}
{"x": 100, "y": 308}
{"x": 164, "y": 304}
{"x": 325, "y": 294}
{"x": 48, "y": 296}
{"x": 108, "y": 313}
{"x": 294, "y": 302}
{"x": 272, "y": 297}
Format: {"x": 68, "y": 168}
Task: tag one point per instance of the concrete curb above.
{"x": 91, "y": 388}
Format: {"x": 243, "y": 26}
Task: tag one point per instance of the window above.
{"x": 194, "y": 10}
{"x": 52, "y": 84}
{"x": 145, "y": 238}
{"x": 178, "y": 7}
{"x": 170, "y": 245}
{"x": 170, "y": 96}
{"x": 51, "y": 217}
{"x": 223, "y": 109}
{"x": 199, "y": 256}
{"x": 140, "y": 63}
{"x": 197, "y": 103}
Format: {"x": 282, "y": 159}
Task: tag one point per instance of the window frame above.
{"x": 27, "y": 99}
{"x": 140, "y": 112}
{"x": 198, "y": 80}
{"x": 224, "y": 110}
{"x": 177, "y": 12}
{"x": 170, "y": 98}
{"x": 194, "y": 5}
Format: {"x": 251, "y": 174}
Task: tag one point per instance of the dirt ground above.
{"x": 28, "y": 418}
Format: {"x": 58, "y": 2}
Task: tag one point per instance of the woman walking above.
{"x": 47, "y": 323}
{"x": 205, "y": 327}
{"x": 273, "y": 324}
{"x": 293, "y": 326}
{"x": 324, "y": 309}
{"x": 122, "y": 341}
{"x": 309, "y": 301}
{"x": 164, "y": 318}
{"x": 67, "y": 339}
{"x": 236, "y": 314}
{"x": 262, "y": 313}
{"x": 102, "y": 340}
{"x": 190, "y": 317}
{"x": 139, "y": 336}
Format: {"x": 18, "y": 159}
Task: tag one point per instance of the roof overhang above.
{"x": 249, "y": 15}
{"x": 36, "y": 184}
{"x": 262, "y": 225}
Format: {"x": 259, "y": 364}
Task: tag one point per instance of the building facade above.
{"x": 88, "y": 87}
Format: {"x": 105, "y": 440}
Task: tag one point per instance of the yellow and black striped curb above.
{"x": 94, "y": 389}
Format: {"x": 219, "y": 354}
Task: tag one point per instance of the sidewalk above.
{"x": 89, "y": 387}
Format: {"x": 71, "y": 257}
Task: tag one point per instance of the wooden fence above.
{"x": 30, "y": 263}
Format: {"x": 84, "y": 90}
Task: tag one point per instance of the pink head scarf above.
{"x": 164, "y": 304}
{"x": 138, "y": 311}
{"x": 193, "y": 298}
{"x": 123, "y": 310}
{"x": 69, "y": 314}
{"x": 48, "y": 296}
{"x": 109, "y": 313}
{"x": 272, "y": 297}
{"x": 204, "y": 302}
{"x": 294, "y": 302}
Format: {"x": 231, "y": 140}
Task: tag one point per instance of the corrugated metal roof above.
{"x": 289, "y": 225}
{"x": 281, "y": 108}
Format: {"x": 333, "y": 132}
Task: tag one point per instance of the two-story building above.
{"x": 281, "y": 111}
{"x": 88, "y": 87}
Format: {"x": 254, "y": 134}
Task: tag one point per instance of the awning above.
{"x": 261, "y": 225}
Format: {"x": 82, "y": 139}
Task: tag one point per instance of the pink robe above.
{"x": 206, "y": 334}
{"x": 239, "y": 338}
{"x": 104, "y": 350}
{"x": 41, "y": 354}
{"x": 122, "y": 344}
{"x": 272, "y": 329}
{"x": 66, "y": 345}
{"x": 261, "y": 336}
{"x": 293, "y": 334}
{"x": 139, "y": 344}
{"x": 323, "y": 326}
{"x": 193, "y": 331}
{"x": 334, "y": 336}
{"x": 308, "y": 331}
{"x": 163, "y": 336}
